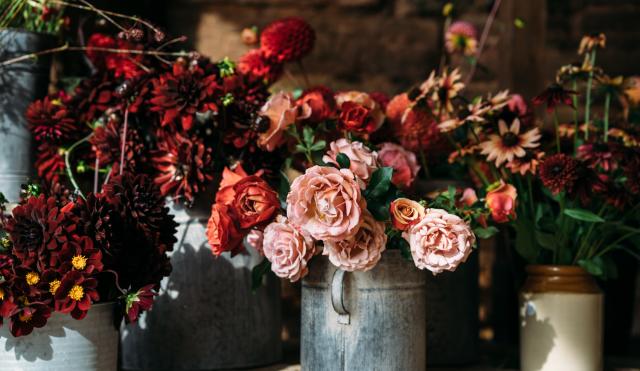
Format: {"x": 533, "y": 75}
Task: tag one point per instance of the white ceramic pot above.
{"x": 64, "y": 344}
{"x": 561, "y": 320}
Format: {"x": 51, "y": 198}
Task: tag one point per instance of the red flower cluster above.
{"x": 243, "y": 202}
{"x": 56, "y": 253}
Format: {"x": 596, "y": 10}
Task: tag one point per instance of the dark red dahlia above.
{"x": 80, "y": 255}
{"x": 179, "y": 94}
{"x": 107, "y": 144}
{"x": 121, "y": 64}
{"x": 75, "y": 294}
{"x": 559, "y": 173}
{"x": 287, "y": 40}
{"x": 50, "y": 121}
{"x": 39, "y": 228}
{"x": 184, "y": 166}
{"x": 49, "y": 162}
{"x": 93, "y": 96}
{"x": 555, "y": 95}
{"x": 98, "y": 219}
{"x": 139, "y": 302}
{"x": 25, "y": 318}
{"x": 256, "y": 67}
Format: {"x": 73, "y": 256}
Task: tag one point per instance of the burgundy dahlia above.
{"x": 50, "y": 121}
{"x": 49, "y": 163}
{"x": 80, "y": 255}
{"x": 138, "y": 302}
{"x": 75, "y": 294}
{"x": 107, "y": 144}
{"x": 287, "y": 40}
{"x": 182, "y": 92}
{"x": 25, "y": 318}
{"x": 184, "y": 166}
{"x": 255, "y": 66}
{"x": 559, "y": 173}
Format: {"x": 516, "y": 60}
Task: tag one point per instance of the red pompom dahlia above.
{"x": 287, "y": 40}
{"x": 50, "y": 121}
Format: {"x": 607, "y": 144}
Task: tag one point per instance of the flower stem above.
{"x": 575, "y": 117}
{"x": 607, "y": 105}
{"x": 531, "y": 204}
{"x": 423, "y": 160}
{"x": 67, "y": 164}
{"x": 557, "y": 126}
{"x": 587, "y": 108}
{"x": 96, "y": 173}
{"x": 123, "y": 145}
{"x": 483, "y": 39}
{"x": 304, "y": 74}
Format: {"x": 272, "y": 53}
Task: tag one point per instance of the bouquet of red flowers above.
{"x": 61, "y": 254}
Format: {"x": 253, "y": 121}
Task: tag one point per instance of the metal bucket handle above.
{"x": 337, "y": 297}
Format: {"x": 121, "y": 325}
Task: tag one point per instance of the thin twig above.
{"x": 124, "y": 139}
{"x": 96, "y": 173}
{"x": 103, "y": 15}
{"x": 483, "y": 39}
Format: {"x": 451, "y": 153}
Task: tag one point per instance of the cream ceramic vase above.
{"x": 561, "y": 320}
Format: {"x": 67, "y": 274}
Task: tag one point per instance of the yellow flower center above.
{"x": 79, "y": 262}
{"x": 32, "y": 278}
{"x": 24, "y": 317}
{"x": 1, "y": 294}
{"x": 76, "y": 292}
{"x": 53, "y": 286}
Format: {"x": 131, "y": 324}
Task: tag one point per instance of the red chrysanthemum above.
{"x": 559, "y": 173}
{"x": 255, "y": 66}
{"x": 179, "y": 94}
{"x": 287, "y": 40}
{"x": 49, "y": 163}
{"x": 39, "y": 228}
{"x": 50, "y": 121}
{"x": 184, "y": 166}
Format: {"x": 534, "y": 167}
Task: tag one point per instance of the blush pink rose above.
{"x": 255, "y": 239}
{"x": 326, "y": 203}
{"x": 362, "y": 251}
{"x": 404, "y": 163}
{"x": 287, "y": 249}
{"x": 363, "y": 161}
{"x": 440, "y": 241}
{"x": 282, "y": 111}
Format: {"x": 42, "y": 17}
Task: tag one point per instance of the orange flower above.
{"x": 501, "y": 201}
{"x": 222, "y": 232}
{"x": 254, "y": 202}
{"x": 230, "y": 177}
{"x": 405, "y": 212}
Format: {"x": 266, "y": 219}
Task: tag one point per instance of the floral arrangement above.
{"x": 571, "y": 194}
{"x": 45, "y": 16}
{"x": 61, "y": 255}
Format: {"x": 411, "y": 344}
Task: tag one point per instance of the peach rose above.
{"x": 440, "y": 241}
{"x": 282, "y": 112}
{"x": 287, "y": 249}
{"x": 404, "y": 163}
{"x": 326, "y": 203}
{"x": 405, "y": 212}
{"x": 255, "y": 239}
{"x": 222, "y": 231}
{"x": 501, "y": 201}
{"x": 254, "y": 202}
{"x": 375, "y": 112}
{"x": 230, "y": 177}
{"x": 363, "y": 161}
{"x": 362, "y": 251}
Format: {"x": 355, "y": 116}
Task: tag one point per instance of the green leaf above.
{"x": 451, "y": 193}
{"x": 525, "y": 243}
{"x": 485, "y": 233}
{"x": 319, "y": 145}
{"x": 594, "y": 266}
{"x": 300, "y": 148}
{"x": 307, "y": 135}
{"x": 380, "y": 182}
{"x": 378, "y": 208}
{"x": 546, "y": 240}
{"x": 283, "y": 190}
{"x": 258, "y": 272}
{"x": 583, "y": 215}
{"x": 343, "y": 161}
{"x": 3, "y": 200}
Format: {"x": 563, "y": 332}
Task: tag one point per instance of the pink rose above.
{"x": 282, "y": 112}
{"x": 362, "y": 251}
{"x": 287, "y": 249}
{"x": 326, "y": 203}
{"x": 404, "y": 164}
{"x": 255, "y": 239}
{"x": 363, "y": 161}
{"x": 440, "y": 241}
{"x": 501, "y": 201}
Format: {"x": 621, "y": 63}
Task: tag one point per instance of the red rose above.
{"x": 254, "y": 202}
{"x": 321, "y": 101}
{"x": 355, "y": 117}
{"x": 222, "y": 232}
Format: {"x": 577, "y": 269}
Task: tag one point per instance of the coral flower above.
{"x": 501, "y": 201}
{"x": 461, "y": 37}
{"x": 509, "y": 143}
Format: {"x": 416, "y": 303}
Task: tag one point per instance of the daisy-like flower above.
{"x": 471, "y": 113}
{"x": 462, "y": 153}
{"x": 527, "y": 164}
{"x": 461, "y": 37}
{"x": 591, "y": 42}
{"x": 610, "y": 85}
{"x": 627, "y": 139}
{"x": 553, "y": 96}
{"x": 509, "y": 143}
{"x": 447, "y": 87}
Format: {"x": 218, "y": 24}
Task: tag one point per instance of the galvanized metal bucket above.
{"x": 206, "y": 316}
{"x": 20, "y": 84}
{"x": 371, "y": 320}
{"x": 64, "y": 344}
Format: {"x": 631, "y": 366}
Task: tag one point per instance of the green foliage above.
{"x": 343, "y": 161}
{"x": 583, "y": 215}
{"x": 380, "y": 193}
{"x": 31, "y": 15}
{"x": 283, "y": 190}
{"x": 258, "y": 272}
{"x": 484, "y": 233}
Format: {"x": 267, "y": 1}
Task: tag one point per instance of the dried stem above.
{"x": 96, "y": 173}
{"x": 123, "y": 147}
{"x": 483, "y": 39}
